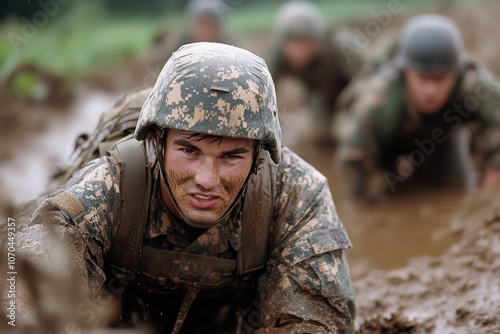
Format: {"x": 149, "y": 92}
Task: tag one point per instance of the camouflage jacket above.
{"x": 379, "y": 119}
{"x": 305, "y": 285}
{"x": 329, "y": 73}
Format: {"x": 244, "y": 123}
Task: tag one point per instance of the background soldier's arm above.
{"x": 487, "y": 91}
{"x": 360, "y": 141}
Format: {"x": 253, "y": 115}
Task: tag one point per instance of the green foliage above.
{"x": 27, "y": 84}
{"x": 88, "y": 35}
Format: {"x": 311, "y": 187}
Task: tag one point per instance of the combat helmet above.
{"x": 214, "y": 89}
{"x": 430, "y": 43}
{"x": 300, "y": 19}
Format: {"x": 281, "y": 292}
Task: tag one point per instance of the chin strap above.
{"x": 258, "y": 163}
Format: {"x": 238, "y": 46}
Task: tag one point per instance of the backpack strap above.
{"x": 125, "y": 252}
{"x": 257, "y": 217}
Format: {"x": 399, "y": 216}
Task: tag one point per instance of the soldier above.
{"x": 204, "y": 23}
{"x": 410, "y": 117}
{"x": 205, "y": 223}
{"x": 304, "y": 47}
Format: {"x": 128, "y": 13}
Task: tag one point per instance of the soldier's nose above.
{"x": 207, "y": 177}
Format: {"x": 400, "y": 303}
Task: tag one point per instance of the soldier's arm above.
{"x": 487, "y": 91}
{"x": 306, "y": 286}
{"x": 64, "y": 244}
{"x": 359, "y": 146}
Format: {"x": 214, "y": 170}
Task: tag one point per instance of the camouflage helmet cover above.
{"x": 300, "y": 19}
{"x": 431, "y": 43}
{"x": 214, "y": 89}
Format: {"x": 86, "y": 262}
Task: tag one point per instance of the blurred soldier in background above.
{"x": 205, "y": 223}
{"x": 304, "y": 47}
{"x": 204, "y": 23}
{"x": 410, "y": 116}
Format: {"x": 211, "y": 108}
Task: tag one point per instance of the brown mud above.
{"x": 457, "y": 292}
{"x": 422, "y": 262}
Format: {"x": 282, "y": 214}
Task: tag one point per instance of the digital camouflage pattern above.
{"x": 381, "y": 127}
{"x": 215, "y": 89}
{"x": 306, "y": 278}
{"x": 305, "y": 285}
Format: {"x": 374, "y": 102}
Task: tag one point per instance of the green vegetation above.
{"x": 86, "y": 37}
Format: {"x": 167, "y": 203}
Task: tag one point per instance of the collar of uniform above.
{"x": 221, "y": 237}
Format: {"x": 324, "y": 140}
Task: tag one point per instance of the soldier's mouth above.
{"x": 204, "y": 201}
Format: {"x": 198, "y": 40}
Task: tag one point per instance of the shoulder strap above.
{"x": 257, "y": 217}
{"x": 125, "y": 251}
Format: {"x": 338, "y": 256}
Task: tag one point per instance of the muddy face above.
{"x": 429, "y": 92}
{"x": 205, "y": 173}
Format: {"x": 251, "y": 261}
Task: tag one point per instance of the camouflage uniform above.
{"x": 305, "y": 286}
{"x": 329, "y": 72}
{"x": 382, "y": 127}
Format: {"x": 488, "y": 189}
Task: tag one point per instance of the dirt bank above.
{"x": 458, "y": 292}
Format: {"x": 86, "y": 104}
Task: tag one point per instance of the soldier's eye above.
{"x": 231, "y": 156}
{"x": 188, "y": 150}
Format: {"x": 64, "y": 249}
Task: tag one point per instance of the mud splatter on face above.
{"x": 205, "y": 175}
{"x": 182, "y": 184}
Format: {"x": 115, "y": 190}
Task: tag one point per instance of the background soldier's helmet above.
{"x": 300, "y": 19}
{"x": 212, "y": 9}
{"x": 215, "y": 89}
{"x": 431, "y": 43}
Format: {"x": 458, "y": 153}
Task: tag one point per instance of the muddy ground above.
{"x": 423, "y": 262}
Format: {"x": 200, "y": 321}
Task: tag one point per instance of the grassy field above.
{"x": 83, "y": 38}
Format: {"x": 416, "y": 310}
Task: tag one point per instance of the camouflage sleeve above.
{"x": 486, "y": 92}
{"x": 307, "y": 282}
{"x": 76, "y": 222}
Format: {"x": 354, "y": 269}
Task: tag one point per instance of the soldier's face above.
{"x": 205, "y": 174}
{"x": 204, "y": 29}
{"x": 429, "y": 92}
{"x": 300, "y": 53}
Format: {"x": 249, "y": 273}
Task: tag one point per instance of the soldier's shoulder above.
{"x": 476, "y": 76}
{"x": 92, "y": 188}
{"x": 297, "y": 170}
{"x": 373, "y": 90}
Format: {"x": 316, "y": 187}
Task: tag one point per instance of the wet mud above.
{"x": 457, "y": 292}
{"x": 423, "y": 262}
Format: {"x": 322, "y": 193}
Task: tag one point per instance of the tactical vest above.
{"x": 174, "y": 273}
